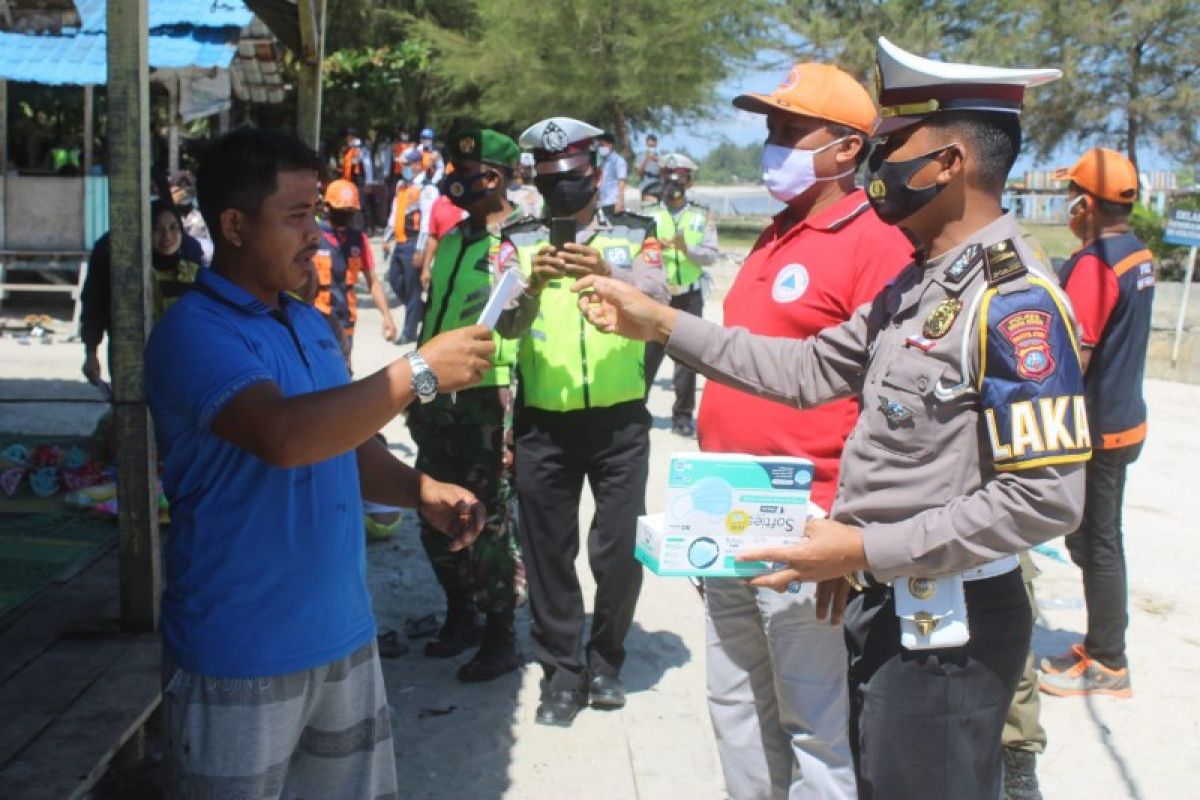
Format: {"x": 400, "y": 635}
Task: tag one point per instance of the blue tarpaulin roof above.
{"x": 183, "y": 33}
{"x": 82, "y": 59}
{"x": 199, "y": 13}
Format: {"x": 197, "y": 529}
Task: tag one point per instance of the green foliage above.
{"x": 373, "y": 87}
{"x": 622, "y": 64}
{"x": 1150, "y": 228}
{"x": 1130, "y": 71}
{"x": 732, "y": 163}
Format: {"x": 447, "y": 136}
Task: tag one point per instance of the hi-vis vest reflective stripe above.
{"x": 681, "y": 271}
{"x": 565, "y": 363}
{"x": 460, "y": 284}
{"x": 337, "y": 272}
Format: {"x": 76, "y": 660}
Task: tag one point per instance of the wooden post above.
{"x": 129, "y": 214}
{"x": 173, "y": 90}
{"x": 312, "y": 40}
{"x": 89, "y": 93}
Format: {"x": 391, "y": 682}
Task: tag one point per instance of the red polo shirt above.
{"x": 796, "y": 283}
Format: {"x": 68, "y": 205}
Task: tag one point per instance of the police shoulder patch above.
{"x": 1031, "y": 382}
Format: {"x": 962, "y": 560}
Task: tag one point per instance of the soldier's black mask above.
{"x": 888, "y": 190}
{"x": 566, "y": 193}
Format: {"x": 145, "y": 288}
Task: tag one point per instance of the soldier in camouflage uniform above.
{"x": 462, "y": 437}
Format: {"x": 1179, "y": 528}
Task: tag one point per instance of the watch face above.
{"x": 425, "y": 383}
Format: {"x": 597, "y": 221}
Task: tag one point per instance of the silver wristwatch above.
{"x": 424, "y": 380}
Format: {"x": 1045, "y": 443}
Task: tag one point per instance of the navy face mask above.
{"x": 464, "y": 190}
{"x": 888, "y": 190}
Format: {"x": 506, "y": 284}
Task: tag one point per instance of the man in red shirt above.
{"x": 1110, "y": 281}
{"x": 776, "y": 674}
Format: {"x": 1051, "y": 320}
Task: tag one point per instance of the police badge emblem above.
{"x": 554, "y": 138}
{"x": 466, "y": 145}
{"x": 941, "y": 319}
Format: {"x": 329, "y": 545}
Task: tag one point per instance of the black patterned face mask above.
{"x": 566, "y": 193}
{"x": 888, "y": 190}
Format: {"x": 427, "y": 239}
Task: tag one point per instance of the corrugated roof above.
{"x": 82, "y": 59}
{"x": 201, "y": 13}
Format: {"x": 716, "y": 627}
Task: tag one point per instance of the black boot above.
{"x": 497, "y": 655}
{"x": 461, "y": 630}
{"x": 1020, "y": 775}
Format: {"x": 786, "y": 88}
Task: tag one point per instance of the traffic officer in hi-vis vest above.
{"x": 689, "y": 237}
{"x": 343, "y": 253}
{"x": 581, "y": 413}
{"x": 464, "y": 435}
{"x": 969, "y": 448}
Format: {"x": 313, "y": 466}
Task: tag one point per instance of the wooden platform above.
{"x": 72, "y": 689}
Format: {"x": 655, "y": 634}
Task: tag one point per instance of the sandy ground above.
{"x": 480, "y": 741}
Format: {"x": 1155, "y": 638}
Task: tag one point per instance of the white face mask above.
{"x": 788, "y": 173}
{"x": 603, "y": 150}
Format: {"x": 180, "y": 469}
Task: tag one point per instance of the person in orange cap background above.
{"x": 1110, "y": 281}
{"x": 777, "y": 674}
{"x": 343, "y": 253}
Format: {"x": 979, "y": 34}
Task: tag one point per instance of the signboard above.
{"x": 1183, "y": 228}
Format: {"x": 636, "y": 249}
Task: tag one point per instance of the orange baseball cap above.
{"x": 1104, "y": 173}
{"x": 821, "y": 91}
{"x": 342, "y": 194}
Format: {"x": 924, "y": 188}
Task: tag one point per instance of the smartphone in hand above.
{"x": 562, "y": 231}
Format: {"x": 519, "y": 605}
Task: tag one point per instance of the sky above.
{"x": 742, "y": 127}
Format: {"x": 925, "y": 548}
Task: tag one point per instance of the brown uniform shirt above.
{"x": 972, "y": 435}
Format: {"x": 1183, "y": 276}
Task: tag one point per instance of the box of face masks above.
{"x": 720, "y": 504}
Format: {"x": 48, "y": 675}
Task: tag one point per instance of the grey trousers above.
{"x": 322, "y": 732}
{"x": 777, "y": 694}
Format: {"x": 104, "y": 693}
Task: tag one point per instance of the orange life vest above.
{"x": 408, "y": 212}
{"x": 352, "y": 164}
{"x": 338, "y": 264}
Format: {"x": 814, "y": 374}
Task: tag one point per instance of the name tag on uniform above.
{"x": 932, "y": 612}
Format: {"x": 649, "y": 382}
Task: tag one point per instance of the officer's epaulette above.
{"x": 526, "y": 224}
{"x": 632, "y": 220}
{"x": 1002, "y": 263}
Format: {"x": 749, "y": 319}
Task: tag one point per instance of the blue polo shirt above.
{"x": 264, "y": 566}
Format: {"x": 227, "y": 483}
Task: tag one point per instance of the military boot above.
{"x": 499, "y": 653}
{"x": 461, "y": 630}
{"x": 1020, "y": 775}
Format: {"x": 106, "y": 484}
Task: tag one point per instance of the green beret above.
{"x": 484, "y": 145}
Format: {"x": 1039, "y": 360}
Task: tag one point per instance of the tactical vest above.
{"x": 693, "y": 219}
{"x": 1113, "y": 382}
{"x": 338, "y": 266}
{"x": 566, "y": 364}
{"x": 459, "y": 286}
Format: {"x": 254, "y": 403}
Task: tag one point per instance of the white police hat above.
{"x": 911, "y": 88}
{"x": 559, "y": 144}
{"x": 678, "y": 161}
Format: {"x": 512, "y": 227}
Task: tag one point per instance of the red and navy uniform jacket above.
{"x": 1111, "y": 286}
{"x": 339, "y": 260}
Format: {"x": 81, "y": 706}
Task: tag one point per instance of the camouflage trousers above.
{"x": 463, "y": 442}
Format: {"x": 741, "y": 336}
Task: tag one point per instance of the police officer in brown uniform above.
{"x": 969, "y": 447}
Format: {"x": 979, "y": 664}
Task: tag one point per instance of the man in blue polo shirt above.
{"x": 273, "y": 680}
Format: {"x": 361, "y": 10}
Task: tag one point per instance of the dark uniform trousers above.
{"x": 1098, "y": 549}
{"x": 610, "y": 447}
{"x": 926, "y": 724}
{"x": 405, "y": 279}
{"x": 685, "y": 377}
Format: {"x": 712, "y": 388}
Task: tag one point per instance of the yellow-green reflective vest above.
{"x": 459, "y": 286}
{"x": 681, "y": 271}
{"x": 564, "y": 363}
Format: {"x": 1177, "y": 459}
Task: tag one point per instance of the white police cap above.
{"x": 911, "y": 87}
{"x": 678, "y": 161}
{"x": 559, "y": 144}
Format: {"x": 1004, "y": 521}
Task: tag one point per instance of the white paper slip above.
{"x": 511, "y": 284}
